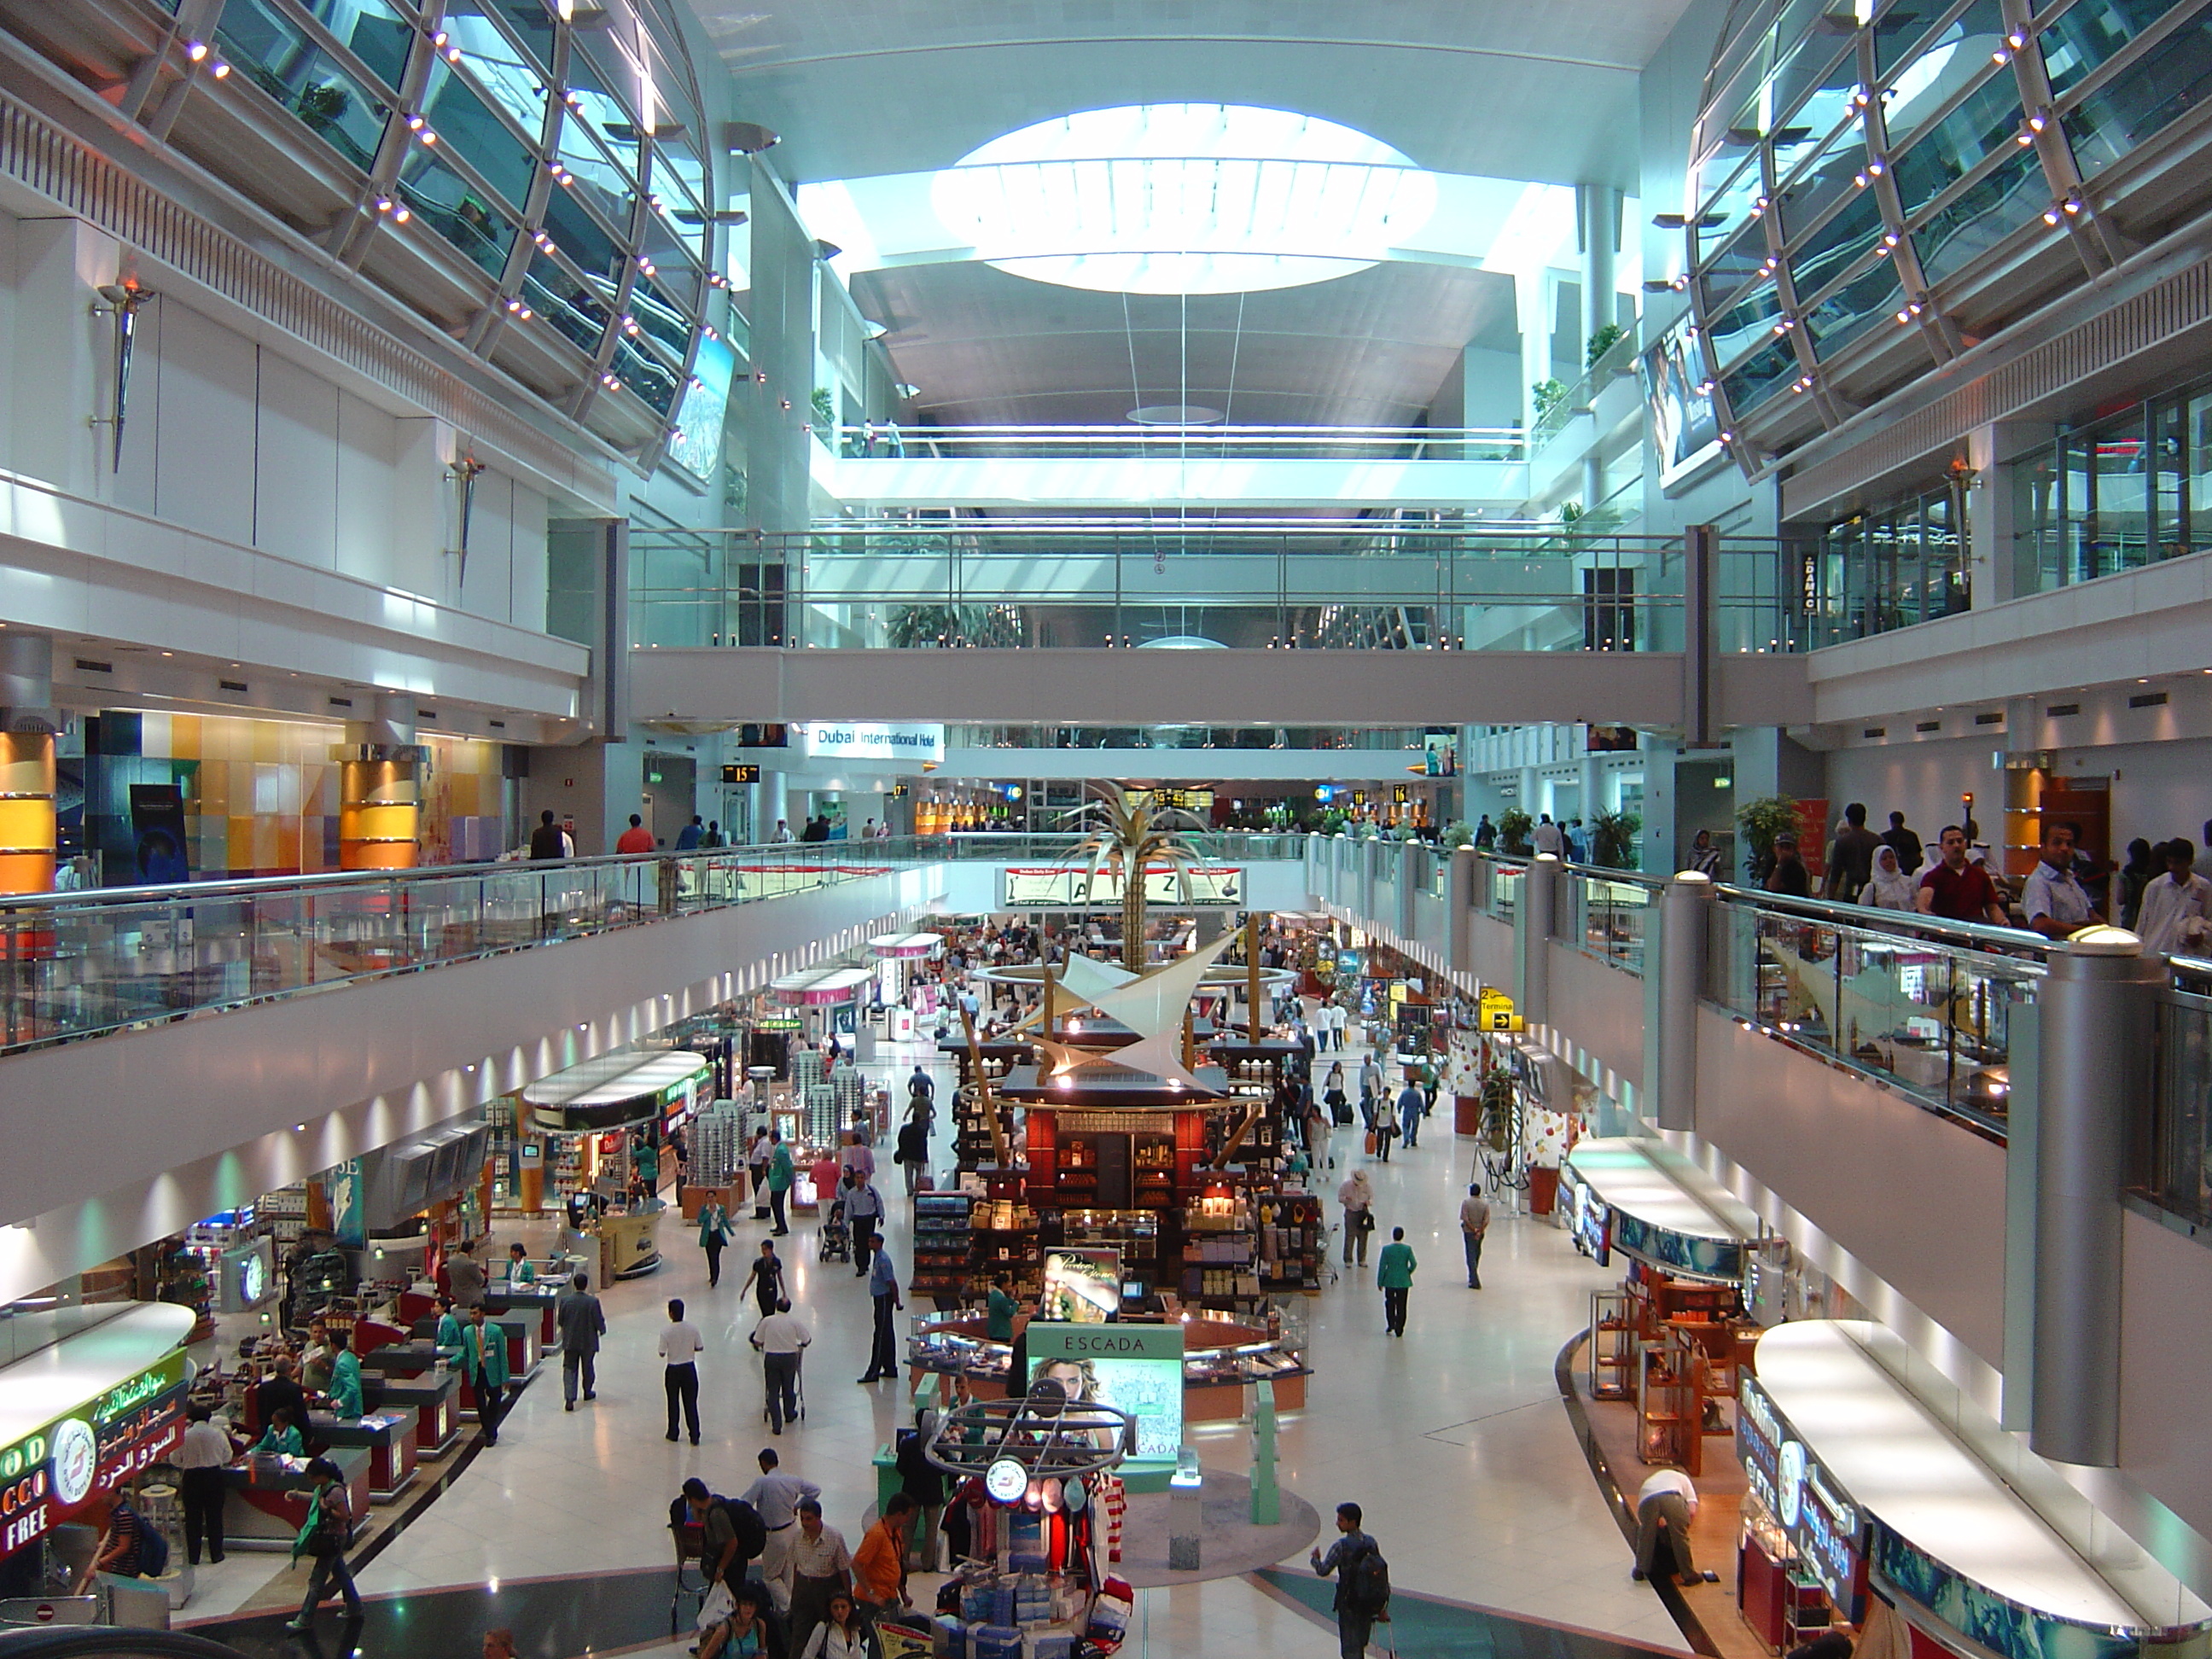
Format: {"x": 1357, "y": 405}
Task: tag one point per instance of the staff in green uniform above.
{"x": 780, "y": 1174}
{"x": 484, "y": 1363}
{"x": 345, "y": 1378}
{"x": 1394, "y": 1272}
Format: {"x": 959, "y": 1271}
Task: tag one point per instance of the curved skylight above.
{"x": 1183, "y": 198}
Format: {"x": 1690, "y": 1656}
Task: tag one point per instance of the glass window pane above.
{"x": 2090, "y": 31}
{"x": 1873, "y": 296}
{"x": 456, "y": 210}
{"x": 1810, "y": 124}
{"x": 461, "y": 119}
{"x": 597, "y": 180}
{"x": 1956, "y": 57}
{"x": 582, "y": 237}
{"x": 646, "y": 375}
{"x": 501, "y": 73}
{"x": 2166, "y": 81}
{"x": 1729, "y": 208}
{"x": 1736, "y": 264}
{"x": 1983, "y": 215}
{"x": 1746, "y": 322}
{"x": 268, "y": 48}
{"x": 660, "y": 314}
{"x": 565, "y": 302}
{"x": 1752, "y": 382}
{"x": 679, "y": 179}
{"x": 371, "y": 30}
{"x": 1841, "y": 164}
{"x": 1946, "y": 152}
{"x": 1853, "y": 231}
{"x": 2197, "y": 463}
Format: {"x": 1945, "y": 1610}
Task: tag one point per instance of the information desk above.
{"x": 629, "y": 1245}
{"x": 267, "y": 1501}
{"x": 387, "y": 1436}
{"x": 1222, "y": 1359}
{"x": 435, "y": 1397}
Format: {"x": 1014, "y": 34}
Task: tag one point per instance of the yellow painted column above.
{"x": 379, "y": 809}
{"x": 26, "y": 811}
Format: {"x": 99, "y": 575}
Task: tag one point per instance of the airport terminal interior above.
{"x": 1041, "y": 831}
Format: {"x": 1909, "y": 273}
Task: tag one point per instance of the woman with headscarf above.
{"x": 1891, "y": 888}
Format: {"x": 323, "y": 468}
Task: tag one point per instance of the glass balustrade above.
{"x": 1353, "y": 585}
{"x": 1928, "y": 1010}
{"x": 1606, "y": 915}
{"x": 2177, "y": 1172}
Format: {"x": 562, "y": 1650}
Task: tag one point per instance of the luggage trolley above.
{"x": 797, "y": 1387}
{"x": 691, "y": 1572}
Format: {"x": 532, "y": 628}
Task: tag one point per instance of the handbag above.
{"x": 716, "y": 1605}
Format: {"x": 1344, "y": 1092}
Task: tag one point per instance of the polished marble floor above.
{"x": 1453, "y": 1437}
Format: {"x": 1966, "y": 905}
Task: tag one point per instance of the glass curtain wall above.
{"x": 561, "y": 161}
{"x": 1892, "y": 568}
{"x": 2126, "y": 491}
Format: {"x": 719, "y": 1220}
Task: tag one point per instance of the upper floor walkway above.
{"x": 1451, "y": 470}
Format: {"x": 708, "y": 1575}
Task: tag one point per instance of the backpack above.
{"x": 745, "y": 1523}
{"x": 153, "y": 1550}
{"x": 1367, "y": 1583}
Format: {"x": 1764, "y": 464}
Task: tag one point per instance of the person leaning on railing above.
{"x": 1957, "y": 891}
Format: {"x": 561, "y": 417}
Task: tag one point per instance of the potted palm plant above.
{"x": 1127, "y": 834}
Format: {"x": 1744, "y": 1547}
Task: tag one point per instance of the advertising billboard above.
{"x": 1137, "y": 1369}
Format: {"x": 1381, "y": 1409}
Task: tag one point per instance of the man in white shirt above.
{"x": 782, "y": 1338}
{"x": 1473, "y": 1223}
{"x": 202, "y": 1455}
{"x": 2055, "y": 902}
{"x": 2176, "y": 919}
{"x": 777, "y": 1497}
{"x": 818, "y": 1564}
{"x": 680, "y": 1348}
{"x": 1548, "y": 838}
{"x": 1665, "y": 1506}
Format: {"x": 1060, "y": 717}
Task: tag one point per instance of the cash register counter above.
{"x": 266, "y": 1503}
{"x": 435, "y": 1397}
{"x": 386, "y": 1434}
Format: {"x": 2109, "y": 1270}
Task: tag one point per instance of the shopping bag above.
{"x": 1369, "y": 1144}
{"x": 716, "y": 1605}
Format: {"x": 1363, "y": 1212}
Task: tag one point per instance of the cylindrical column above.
{"x": 1533, "y": 927}
{"x": 1460, "y": 878}
{"x": 1413, "y": 871}
{"x": 1370, "y": 879}
{"x": 26, "y": 762}
{"x": 2094, "y": 1017}
{"x": 379, "y": 807}
{"x": 1674, "y": 1034}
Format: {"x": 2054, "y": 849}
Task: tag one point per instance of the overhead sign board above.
{"x": 1063, "y": 887}
{"x": 878, "y": 740}
{"x": 741, "y": 775}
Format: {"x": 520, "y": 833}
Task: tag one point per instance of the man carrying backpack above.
{"x": 1363, "y": 1582}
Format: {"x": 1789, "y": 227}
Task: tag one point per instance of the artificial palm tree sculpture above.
{"x": 1127, "y": 834}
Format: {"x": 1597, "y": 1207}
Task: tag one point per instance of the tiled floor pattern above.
{"x": 1452, "y": 1437}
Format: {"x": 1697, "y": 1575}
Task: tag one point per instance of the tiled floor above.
{"x": 1453, "y": 1437}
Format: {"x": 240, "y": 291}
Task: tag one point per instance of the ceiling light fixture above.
{"x": 1184, "y": 198}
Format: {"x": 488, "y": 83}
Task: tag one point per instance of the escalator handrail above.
{"x": 107, "y": 1642}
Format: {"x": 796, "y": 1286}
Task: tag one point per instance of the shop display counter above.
{"x": 435, "y": 1397}
{"x": 696, "y": 1197}
{"x": 629, "y": 1244}
{"x": 388, "y": 1435}
{"x": 530, "y": 1302}
{"x": 411, "y": 1359}
{"x": 1221, "y": 1359}
{"x": 1886, "y": 1476}
{"x": 267, "y": 1501}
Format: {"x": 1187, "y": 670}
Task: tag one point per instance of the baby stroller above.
{"x": 834, "y": 1243}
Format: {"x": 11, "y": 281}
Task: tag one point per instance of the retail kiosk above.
{"x": 592, "y": 1108}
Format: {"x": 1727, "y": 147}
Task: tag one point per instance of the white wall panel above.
{"x": 2166, "y": 1354}
{"x": 367, "y": 451}
{"x": 527, "y": 577}
{"x": 296, "y": 465}
{"x": 206, "y": 419}
{"x": 1918, "y": 1199}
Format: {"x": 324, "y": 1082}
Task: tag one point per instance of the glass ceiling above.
{"x": 1183, "y": 198}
